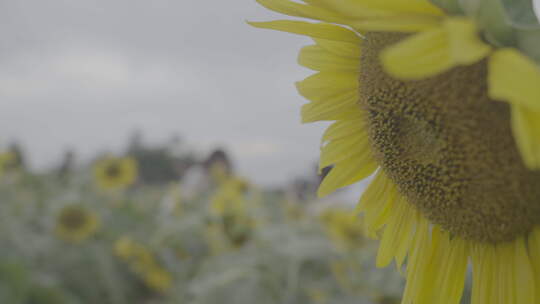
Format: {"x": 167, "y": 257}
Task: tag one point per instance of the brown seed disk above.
{"x": 449, "y": 148}
{"x": 73, "y": 218}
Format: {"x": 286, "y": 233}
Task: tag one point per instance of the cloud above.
{"x": 86, "y": 73}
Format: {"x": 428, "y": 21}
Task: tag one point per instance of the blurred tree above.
{"x": 135, "y": 142}
{"x": 67, "y": 164}
{"x": 161, "y": 164}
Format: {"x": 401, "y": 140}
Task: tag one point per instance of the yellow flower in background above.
{"x": 137, "y": 255}
{"x": 142, "y": 262}
{"x": 158, "y": 279}
{"x": 216, "y": 238}
{"x": 230, "y": 197}
{"x": 233, "y": 223}
{"x": 219, "y": 172}
{"x": 123, "y": 247}
{"x": 76, "y": 223}
{"x": 317, "y": 295}
{"x": 115, "y": 173}
{"x": 8, "y": 162}
{"x": 440, "y": 101}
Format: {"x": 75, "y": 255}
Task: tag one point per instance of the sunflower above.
{"x": 115, "y": 173}
{"x": 231, "y": 211}
{"x": 76, "y": 223}
{"x": 230, "y": 197}
{"x": 8, "y": 163}
{"x": 440, "y": 102}
{"x": 142, "y": 262}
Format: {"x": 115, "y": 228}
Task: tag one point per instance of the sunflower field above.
{"x": 98, "y": 236}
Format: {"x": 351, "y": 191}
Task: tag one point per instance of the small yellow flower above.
{"x": 115, "y": 173}
{"x": 75, "y": 223}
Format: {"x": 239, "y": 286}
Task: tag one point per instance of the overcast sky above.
{"x": 85, "y": 74}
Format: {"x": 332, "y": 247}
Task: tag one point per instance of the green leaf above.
{"x": 529, "y": 43}
{"x": 520, "y": 14}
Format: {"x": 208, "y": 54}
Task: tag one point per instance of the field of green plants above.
{"x": 96, "y": 235}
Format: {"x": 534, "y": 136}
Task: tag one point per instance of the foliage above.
{"x": 231, "y": 243}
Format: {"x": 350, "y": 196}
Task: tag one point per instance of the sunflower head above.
{"x": 75, "y": 223}
{"x": 115, "y": 173}
{"x": 439, "y": 101}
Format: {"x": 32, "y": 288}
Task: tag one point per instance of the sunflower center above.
{"x": 73, "y": 219}
{"x": 449, "y": 148}
{"x": 113, "y": 170}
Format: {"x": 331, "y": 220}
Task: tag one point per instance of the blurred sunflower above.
{"x": 440, "y": 100}
{"x": 8, "y": 162}
{"x": 142, "y": 262}
{"x": 232, "y": 219}
{"x": 158, "y": 279}
{"x": 230, "y": 197}
{"x": 115, "y": 173}
{"x": 76, "y": 223}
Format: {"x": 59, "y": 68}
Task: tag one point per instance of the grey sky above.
{"x": 84, "y": 74}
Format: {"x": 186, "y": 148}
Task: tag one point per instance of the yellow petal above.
{"x": 342, "y": 149}
{"x": 524, "y": 277}
{"x": 453, "y": 270}
{"x": 416, "y": 262}
{"x": 526, "y": 129}
{"x": 379, "y": 214}
{"x": 514, "y": 78}
{"x": 404, "y": 236}
{"x": 390, "y": 240}
{"x": 398, "y": 23}
{"x": 350, "y": 8}
{"x": 338, "y": 107}
{"x": 374, "y": 191}
{"x": 346, "y": 173}
{"x": 484, "y": 274}
{"x": 343, "y": 49}
{"x": 316, "y": 58}
{"x": 436, "y": 260}
{"x": 378, "y": 202}
{"x": 375, "y": 8}
{"x": 432, "y": 52}
{"x": 301, "y": 10}
{"x": 466, "y": 47}
{"x": 343, "y": 128}
{"x": 315, "y": 30}
{"x": 403, "y": 6}
{"x": 533, "y": 243}
{"x": 323, "y": 85}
